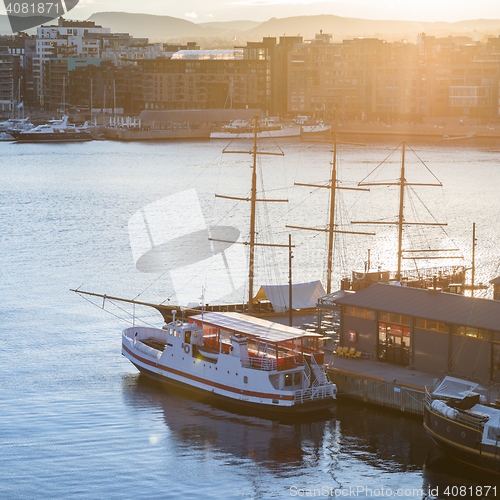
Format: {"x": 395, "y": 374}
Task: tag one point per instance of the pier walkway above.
{"x": 384, "y": 384}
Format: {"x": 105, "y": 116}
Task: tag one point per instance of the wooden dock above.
{"x": 381, "y": 384}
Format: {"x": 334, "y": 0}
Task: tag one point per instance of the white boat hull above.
{"x": 265, "y": 134}
{"x": 222, "y": 379}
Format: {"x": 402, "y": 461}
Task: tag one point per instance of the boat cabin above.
{"x": 260, "y": 344}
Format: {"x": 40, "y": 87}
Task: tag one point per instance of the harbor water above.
{"x": 78, "y": 421}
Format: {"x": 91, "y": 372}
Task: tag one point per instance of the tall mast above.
{"x": 253, "y": 210}
{"x": 290, "y": 281}
{"x": 91, "y": 104}
{"x": 64, "y": 95}
{"x": 401, "y": 223}
{"x": 332, "y": 186}
{"x": 401, "y": 212}
{"x": 253, "y": 216}
{"x": 331, "y": 223}
{"x": 473, "y": 269}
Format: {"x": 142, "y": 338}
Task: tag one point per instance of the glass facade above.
{"x": 394, "y": 343}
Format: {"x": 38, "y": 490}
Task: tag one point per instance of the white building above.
{"x": 67, "y": 39}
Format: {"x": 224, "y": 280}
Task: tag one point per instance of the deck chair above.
{"x": 351, "y": 353}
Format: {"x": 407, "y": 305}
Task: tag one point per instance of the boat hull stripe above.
{"x": 208, "y": 382}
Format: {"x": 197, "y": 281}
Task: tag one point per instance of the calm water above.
{"x": 77, "y": 421}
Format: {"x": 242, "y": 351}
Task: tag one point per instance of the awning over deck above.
{"x": 304, "y": 295}
{"x": 253, "y": 327}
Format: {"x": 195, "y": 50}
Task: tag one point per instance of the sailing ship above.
{"x": 332, "y": 227}
{"x": 449, "y": 278}
{"x": 232, "y": 359}
{"x": 459, "y": 420}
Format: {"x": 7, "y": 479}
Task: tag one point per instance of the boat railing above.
{"x": 319, "y": 372}
{"x": 327, "y": 390}
{"x": 427, "y": 398}
{"x": 259, "y": 363}
{"x": 475, "y": 421}
{"x": 307, "y": 372}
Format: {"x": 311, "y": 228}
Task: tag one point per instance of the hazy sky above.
{"x": 261, "y": 10}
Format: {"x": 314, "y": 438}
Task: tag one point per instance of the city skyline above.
{"x": 200, "y": 11}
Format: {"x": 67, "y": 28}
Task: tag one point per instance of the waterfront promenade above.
{"x": 451, "y": 131}
{"x": 383, "y": 384}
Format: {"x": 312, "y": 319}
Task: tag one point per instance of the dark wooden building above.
{"x": 427, "y": 330}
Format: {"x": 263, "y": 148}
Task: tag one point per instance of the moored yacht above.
{"x": 243, "y": 129}
{"x": 54, "y": 131}
{"x": 15, "y": 124}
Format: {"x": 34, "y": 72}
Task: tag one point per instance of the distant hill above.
{"x": 345, "y": 27}
{"x": 145, "y": 25}
{"x": 227, "y": 34}
{"x": 230, "y": 25}
{"x": 168, "y": 28}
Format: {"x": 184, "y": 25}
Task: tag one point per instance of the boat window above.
{"x": 297, "y": 378}
{"x": 187, "y": 336}
{"x": 288, "y": 379}
{"x": 245, "y": 379}
{"x": 225, "y": 335}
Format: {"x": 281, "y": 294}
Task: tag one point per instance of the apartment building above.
{"x": 11, "y": 74}
{"x": 204, "y": 79}
{"x": 369, "y": 79}
{"x": 66, "y": 39}
{"x": 361, "y": 79}
{"x": 106, "y": 88}
{"x": 123, "y": 49}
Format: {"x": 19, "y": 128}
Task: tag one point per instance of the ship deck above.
{"x": 154, "y": 343}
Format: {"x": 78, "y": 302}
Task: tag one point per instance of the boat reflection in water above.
{"x": 200, "y": 426}
{"x": 359, "y": 446}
